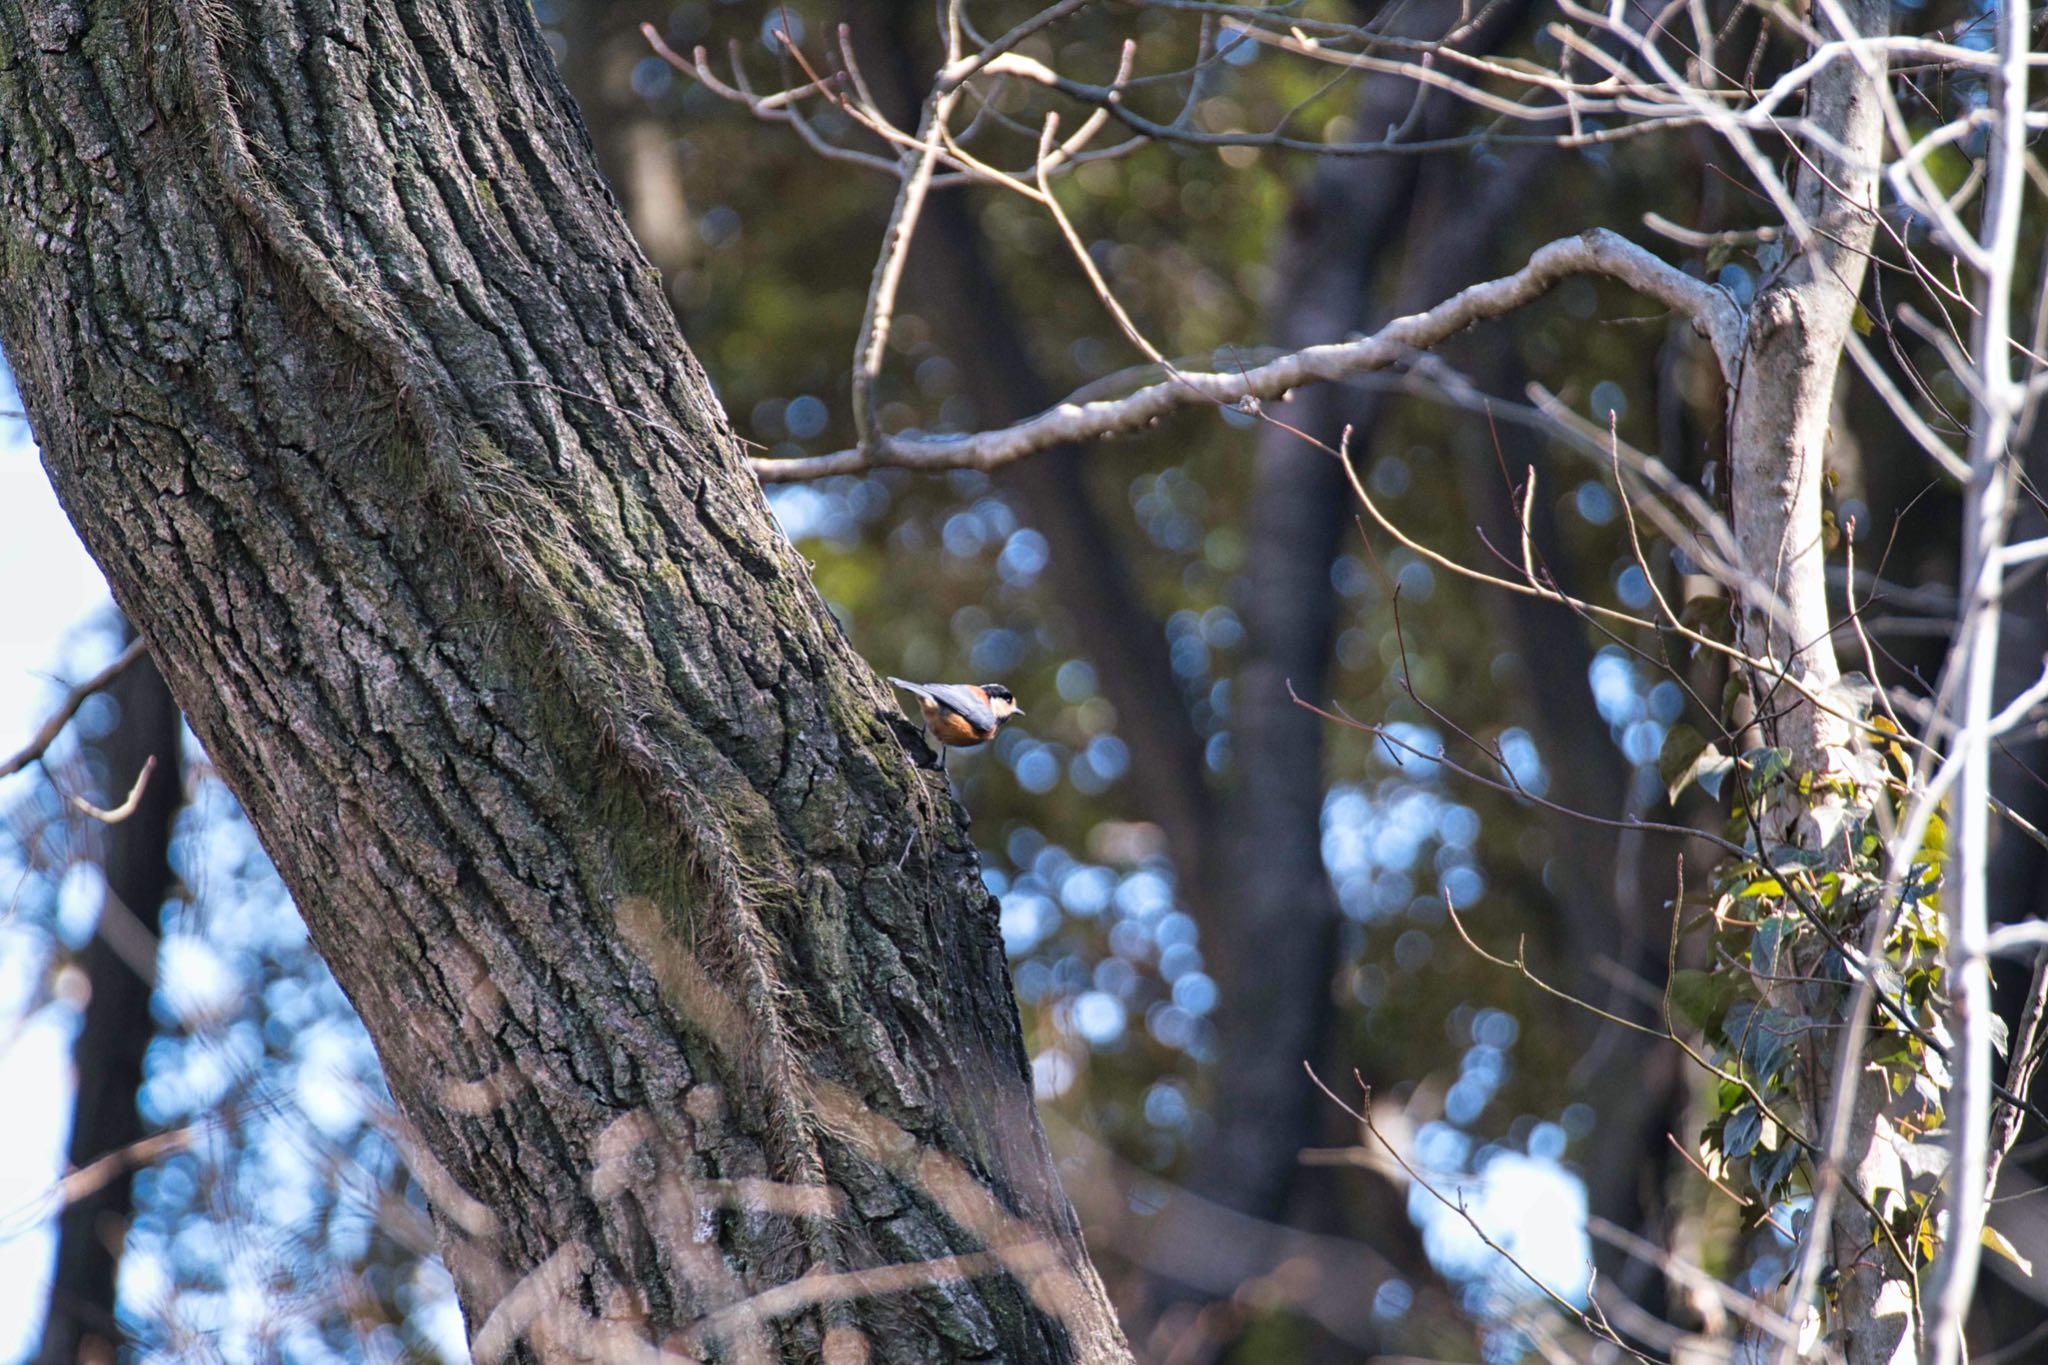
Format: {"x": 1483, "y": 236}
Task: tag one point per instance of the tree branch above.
{"x": 1712, "y": 312}
{"x": 75, "y": 698}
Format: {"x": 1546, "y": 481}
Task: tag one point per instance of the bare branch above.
{"x": 75, "y": 698}
{"x": 1996, "y": 410}
{"x": 1741, "y": 1305}
{"x": 1586, "y": 1319}
{"x": 1600, "y": 252}
{"x": 127, "y": 807}
{"x": 2017, "y": 940}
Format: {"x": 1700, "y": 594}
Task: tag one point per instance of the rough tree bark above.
{"x": 79, "y": 1324}
{"x": 680, "y": 968}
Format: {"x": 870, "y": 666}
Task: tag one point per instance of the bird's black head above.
{"x": 1001, "y": 702}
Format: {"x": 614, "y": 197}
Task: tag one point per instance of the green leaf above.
{"x": 1763, "y": 948}
{"x": 1732, "y": 692}
{"x": 1828, "y": 821}
{"x": 1996, "y": 1241}
{"x": 1739, "y": 1135}
{"x": 1766, "y": 1037}
{"x": 1712, "y": 775}
{"x": 1701, "y": 998}
{"x": 1862, "y": 321}
{"x": 1709, "y": 616}
{"x": 1935, "y": 844}
{"x": 1686, "y": 758}
{"x": 1792, "y": 855}
{"x": 1923, "y": 1158}
{"x": 1861, "y": 766}
{"x": 1766, "y": 766}
{"x": 1822, "y": 995}
{"x": 1768, "y": 1169}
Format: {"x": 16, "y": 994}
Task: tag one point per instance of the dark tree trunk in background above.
{"x": 1610, "y": 890}
{"x": 1276, "y": 942}
{"x": 1085, "y": 572}
{"x": 1278, "y": 956}
{"x": 680, "y": 968}
{"x": 1353, "y": 227}
{"x": 2013, "y": 1302}
{"x": 118, "y": 963}
{"x": 1453, "y": 234}
{"x": 1212, "y": 1243}
{"x": 1413, "y": 232}
{"x": 1199, "y": 1244}
{"x": 634, "y": 144}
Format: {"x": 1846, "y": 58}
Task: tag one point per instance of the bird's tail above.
{"x": 909, "y": 686}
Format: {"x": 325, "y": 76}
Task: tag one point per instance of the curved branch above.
{"x": 1597, "y": 252}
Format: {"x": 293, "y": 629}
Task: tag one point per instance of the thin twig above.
{"x": 1363, "y": 1114}
{"x": 127, "y": 807}
{"x": 75, "y": 698}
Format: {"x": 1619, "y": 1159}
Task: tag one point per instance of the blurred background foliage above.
{"x": 1119, "y": 591}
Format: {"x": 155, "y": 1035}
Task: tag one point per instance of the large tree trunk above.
{"x": 79, "y": 1324}
{"x": 680, "y": 968}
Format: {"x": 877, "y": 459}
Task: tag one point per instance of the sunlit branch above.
{"x": 1712, "y": 313}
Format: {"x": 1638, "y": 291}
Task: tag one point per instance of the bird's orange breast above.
{"x": 951, "y": 728}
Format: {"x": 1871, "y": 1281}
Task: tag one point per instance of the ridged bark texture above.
{"x": 680, "y": 967}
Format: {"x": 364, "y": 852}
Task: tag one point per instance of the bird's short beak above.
{"x": 1018, "y": 712}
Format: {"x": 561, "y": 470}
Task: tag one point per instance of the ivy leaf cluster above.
{"x": 1787, "y": 924}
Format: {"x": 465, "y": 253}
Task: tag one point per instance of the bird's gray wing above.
{"x": 919, "y": 688}
{"x": 966, "y": 702}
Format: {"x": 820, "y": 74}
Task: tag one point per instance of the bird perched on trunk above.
{"x": 962, "y": 714}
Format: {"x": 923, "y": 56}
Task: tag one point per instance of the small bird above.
{"x": 963, "y": 714}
